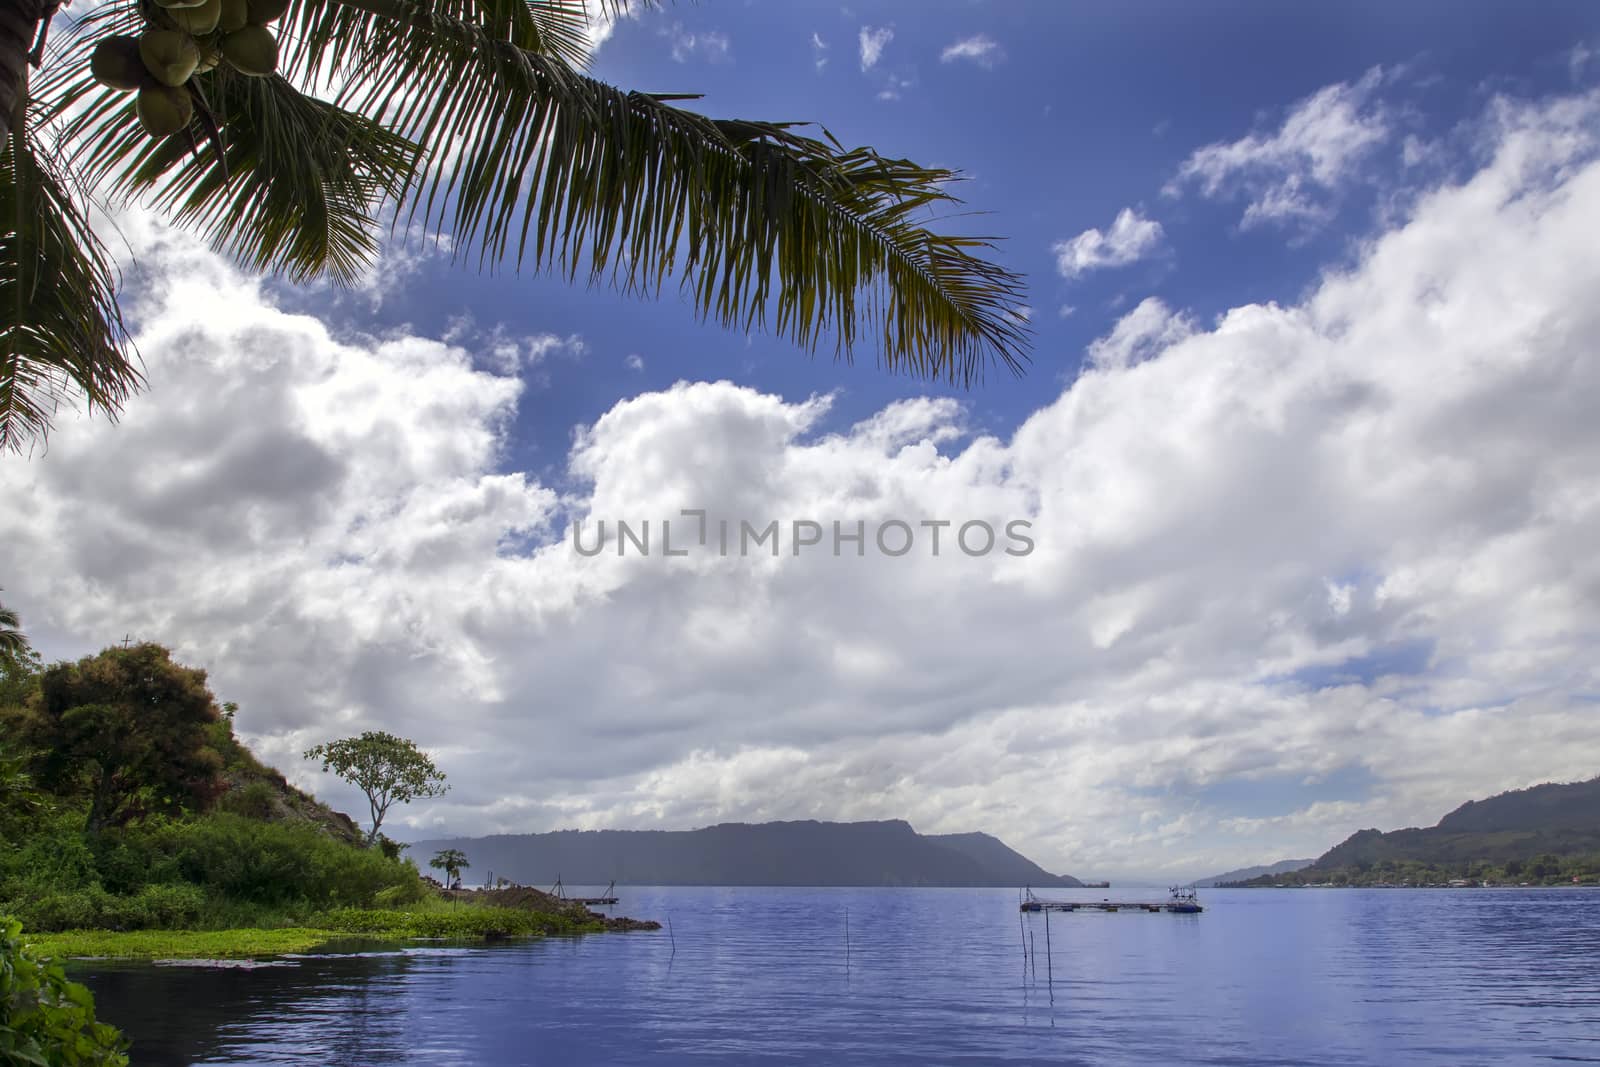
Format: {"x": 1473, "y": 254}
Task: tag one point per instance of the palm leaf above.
{"x": 530, "y": 160}
{"x": 60, "y": 330}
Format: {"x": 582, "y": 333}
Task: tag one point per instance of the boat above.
{"x": 1185, "y": 901}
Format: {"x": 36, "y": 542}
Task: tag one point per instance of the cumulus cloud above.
{"x": 979, "y": 48}
{"x": 1237, "y": 525}
{"x": 1130, "y": 238}
{"x": 1290, "y": 175}
{"x": 873, "y": 42}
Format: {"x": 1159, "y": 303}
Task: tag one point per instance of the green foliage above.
{"x": 454, "y": 923}
{"x": 60, "y": 328}
{"x": 12, "y": 640}
{"x": 279, "y": 864}
{"x": 45, "y": 1019}
{"x": 176, "y": 944}
{"x": 218, "y": 867}
{"x": 255, "y": 801}
{"x": 130, "y": 727}
{"x": 388, "y": 769}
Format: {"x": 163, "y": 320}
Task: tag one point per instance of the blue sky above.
{"x": 1081, "y": 111}
{"x": 1311, "y": 461}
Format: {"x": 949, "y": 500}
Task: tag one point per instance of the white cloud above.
{"x": 1291, "y": 174}
{"x": 1223, "y": 514}
{"x": 819, "y": 51}
{"x": 895, "y": 86}
{"x": 979, "y": 48}
{"x": 634, "y": 361}
{"x": 712, "y": 46}
{"x": 1130, "y": 238}
{"x": 1148, "y": 330}
{"x": 873, "y": 42}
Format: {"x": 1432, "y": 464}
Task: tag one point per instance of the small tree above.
{"x": 388, "y": 769}
{"x": 452, "y": 861}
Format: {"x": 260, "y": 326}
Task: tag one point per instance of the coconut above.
{"x": 252, "y": 50}
{"x": 265, "y": 11}
{"x": 235, "y": 14}
{"x": 175, "y": 5}
{"x": 163, "y": 110}
{"x": 168, "y": 55}
{"x": 197, "y": 21}
{"x": 116, "y": 63}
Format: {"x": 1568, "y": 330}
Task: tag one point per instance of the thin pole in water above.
{"x": 847, "y": 939}
{"x": 1049, "y": 960}
{"x": 1035, "y": 957}
{"x": 673, "y": 936}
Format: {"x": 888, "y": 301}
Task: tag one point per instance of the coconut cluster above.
{"x": 183, "y": 38}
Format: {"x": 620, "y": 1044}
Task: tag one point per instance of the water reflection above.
{"x": 932, "y": 976}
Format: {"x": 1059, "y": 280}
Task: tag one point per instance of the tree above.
{"x": 388, "y": 769}
{"x": 132, "y": 728}
{"x": 12, "y": 640}
{"x": 468, "y": 119}
{"x": 452, "y": 861}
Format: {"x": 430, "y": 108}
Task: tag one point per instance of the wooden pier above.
{"x": 605, "y": 899}
{"x": 1181, "y": 902}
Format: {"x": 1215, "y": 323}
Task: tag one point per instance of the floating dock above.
{"x": 1182, "y": 902}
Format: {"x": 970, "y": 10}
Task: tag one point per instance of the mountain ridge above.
{"x": 1545, "y": 833}
{"x": 795, "y": 852}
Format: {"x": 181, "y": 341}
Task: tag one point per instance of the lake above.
{"x": 932, "y": 976}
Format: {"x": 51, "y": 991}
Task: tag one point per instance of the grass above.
{"x": 469, "y": 923}
{"x": 178, "y": 944}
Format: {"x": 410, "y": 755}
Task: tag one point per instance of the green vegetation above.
{"x": 388, "y": 769}
{"x": 432, "y": 919}
{"x": 1545, "y": 870}
{"x": 176, "y": 944}
{"x": 134, "y": 823}
{"x": 1546, "y": 835}
{"x": 452, "y": 861}
{"x": 45, "y": 1019}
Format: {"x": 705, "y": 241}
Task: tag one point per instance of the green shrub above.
{"x": 169, "y": 907}
{"x": 280, "y": 864}
{"x": 257, "y": 800}
{"x": 45, "y": 1019}
{"x": 398, "y": 896}
{"x": 65, "y": 909}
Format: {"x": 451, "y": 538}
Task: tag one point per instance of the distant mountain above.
{"x": 808, "y": 853}
{"x": 1246, "y": 873}
{"x": 1545, "y": 833}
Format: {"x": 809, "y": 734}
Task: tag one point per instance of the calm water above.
{"x": 933, "y": 976}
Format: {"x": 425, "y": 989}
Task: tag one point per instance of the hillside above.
{"x": 1246, "y": 873}
{"x": 1547, "y": 833}
{"x": 807, "y": 853}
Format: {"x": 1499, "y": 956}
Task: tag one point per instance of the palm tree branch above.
{"x": 530, "y": 160}
{"x": 60, "y": 329}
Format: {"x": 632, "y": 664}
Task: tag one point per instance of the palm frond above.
{"x": 532, "y": 161}
{"x": 297, "y": 184}
{"x": 61, "y": 333}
